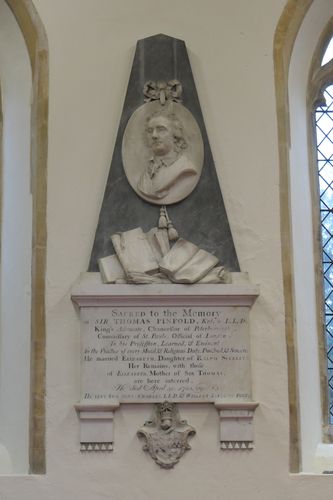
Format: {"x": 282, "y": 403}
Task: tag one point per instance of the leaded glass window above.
{"x": 324, "y": 133}
{"x": 324, "y": 141}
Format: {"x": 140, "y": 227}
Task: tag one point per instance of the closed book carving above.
{"x": 110, "y": 269}
{"x": 134, "y": 252}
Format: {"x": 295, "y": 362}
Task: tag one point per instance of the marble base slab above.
{"x": 155, "y": 343}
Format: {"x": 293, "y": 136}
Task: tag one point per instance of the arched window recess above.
{"x": 23, "y": 148}
{"x": 320, "y": 107}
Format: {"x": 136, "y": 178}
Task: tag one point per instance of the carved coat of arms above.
{"x": 166, "y": 435}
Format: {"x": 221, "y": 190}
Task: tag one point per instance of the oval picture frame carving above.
{"x": 162, "y": 152}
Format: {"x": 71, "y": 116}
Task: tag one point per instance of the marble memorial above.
{"x": 167, "y": 318}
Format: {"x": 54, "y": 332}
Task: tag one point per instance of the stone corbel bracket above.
{"x": 236, "y": 424}
{"x": 96, "y": 426}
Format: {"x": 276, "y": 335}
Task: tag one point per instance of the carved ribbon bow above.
{"x": 163, "y": 91}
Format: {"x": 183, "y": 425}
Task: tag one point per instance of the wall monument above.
{"x": 164, "y": 308}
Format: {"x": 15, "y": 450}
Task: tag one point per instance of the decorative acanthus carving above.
{"x": 166, "y": 435}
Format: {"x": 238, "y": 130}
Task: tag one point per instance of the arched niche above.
{"x": 24, "y": 85}
{"x": 299, "y": 30}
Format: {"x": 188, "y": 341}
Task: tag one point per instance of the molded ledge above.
{"x": 90, "y": 292}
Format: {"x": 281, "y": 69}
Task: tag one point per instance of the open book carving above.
{"x": 147, "y": 258}
{"x": 186, "y": 262}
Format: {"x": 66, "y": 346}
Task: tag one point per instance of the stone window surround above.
{"x": 36, "y": 42}
{"x": 292, "y": 20}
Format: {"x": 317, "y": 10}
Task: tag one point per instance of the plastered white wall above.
{"x": 230, "y": 44}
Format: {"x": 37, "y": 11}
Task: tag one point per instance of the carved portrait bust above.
{"x": 162, "y": 152}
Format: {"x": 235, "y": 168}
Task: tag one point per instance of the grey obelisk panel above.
{"x": 201, "y": 217}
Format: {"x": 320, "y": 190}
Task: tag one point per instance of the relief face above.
{"x": 162, "y": 152}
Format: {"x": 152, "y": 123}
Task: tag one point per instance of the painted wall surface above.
{"x": 230, "y": 44}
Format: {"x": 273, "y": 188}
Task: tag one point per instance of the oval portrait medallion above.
{"x": 162, "y": 152}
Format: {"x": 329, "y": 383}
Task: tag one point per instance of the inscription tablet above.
{"x": 149, "y": 354}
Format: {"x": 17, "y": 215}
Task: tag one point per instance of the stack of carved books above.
{"x": 147, "y": 258}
